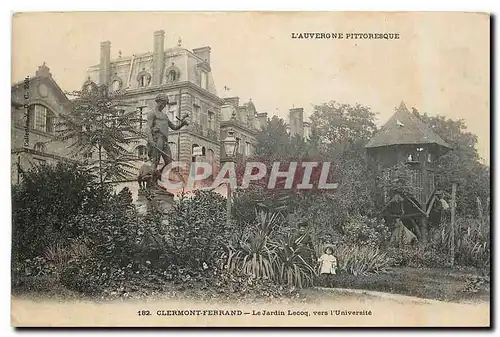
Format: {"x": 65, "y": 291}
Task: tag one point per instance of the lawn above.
{"x": 430, "y": 283}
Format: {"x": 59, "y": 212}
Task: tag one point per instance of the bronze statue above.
{"x": 158, "y": 125}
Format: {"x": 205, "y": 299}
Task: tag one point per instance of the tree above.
{"x": 338, "y": 127}
{"x": 340, "y": 131}
{"x": 461, "y": 165}
{"x": 45, "y": 201}
{"x": 274, "y": 142}
{"x": 338, "y": 135}
{"x": 98, "y": 122}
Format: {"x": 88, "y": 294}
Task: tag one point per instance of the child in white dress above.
{"x": 328, "y": 266}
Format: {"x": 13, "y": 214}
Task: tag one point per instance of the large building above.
{"x": 36, "y": 104}
{"x": 185, "y": 76}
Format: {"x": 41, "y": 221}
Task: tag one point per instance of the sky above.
{"x": 439, "y": 65}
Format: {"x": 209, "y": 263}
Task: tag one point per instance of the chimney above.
{"x": 262, "y": 118}
{"x": 43, "y": 71}
{"x": 104, "y": 65}
{"x": 234, "y": 101}
{"x": 297, "y": 122}
{"x": 158, "y": 57}
{"x": 203, "y": 53}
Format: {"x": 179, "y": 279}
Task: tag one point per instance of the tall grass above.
{"x": 268, "y": 250}
{"x": 253, "y": 256}
{"x": 472, "y": 241}
{"x": 359, "y": 260}
{"x": 61, "y": 255}
{"x": 293, "y": 270}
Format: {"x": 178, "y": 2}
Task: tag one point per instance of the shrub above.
{"x": 33, "y": 275}
{"x": 293, "y": 269}
{"x": 270, "y": 250}
{"x": 253, "y": 253}
{"x": 361, "y": 230}
{"x": 198, "y": 230}
{"x": 418, "y": 257}
{"x": 253, "y": 256}
{"x": 45, "y": 201}
{"x": 237, "y": 284}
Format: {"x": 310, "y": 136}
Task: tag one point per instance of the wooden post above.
{"x": 452, "y": 223}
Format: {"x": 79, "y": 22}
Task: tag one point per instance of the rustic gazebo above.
{"x": 406, "y": 140}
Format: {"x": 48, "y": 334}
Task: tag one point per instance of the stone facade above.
{"x": 244, "y": 121}
{"x": 185, "y": 77}
{"x": 36, "y": 104}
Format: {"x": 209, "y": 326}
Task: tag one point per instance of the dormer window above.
{"x": 143, "y": 81}
{"x": 144, "y": 78}
{"x": 173, "y": 74}
{"x": 115, "y": 86}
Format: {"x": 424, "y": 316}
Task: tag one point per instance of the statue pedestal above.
{"x": 162, "y": 199}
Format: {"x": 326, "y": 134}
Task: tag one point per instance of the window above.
{"x": 415, "y": 178}
{"x": 211, "y": 120}
{"x": 194, "y": 152}
{"x": 204, "y": 80}
{"x": 115, "y": 86}
{"x": 173, "y": 150}
{"x": 171, "y": 111}
{"x": 141, "y": 152}
{"x": 40, "y": 147}
{"x": 173, "y": 73}
{"x": 248, "y": 149}
{"x": 142, "y": 118}
{"x": 196, "y": 113}
{"x": 144, "y": 78}
{"x": 211, "y": 160}
{"x": 42, "y": 119}
{"x": 238, "y": 149}
{"x": 87, "y": 156}
{"x": 429, "y": 158}
{"x": 172, "y": 76}
{"x": 431, "y": 181}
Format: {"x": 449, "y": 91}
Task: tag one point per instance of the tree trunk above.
{"x": 424, "y": 229}
{"x": 417, "y": 229}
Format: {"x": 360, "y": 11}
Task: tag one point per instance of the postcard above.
{"x": 250, "y": 169}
